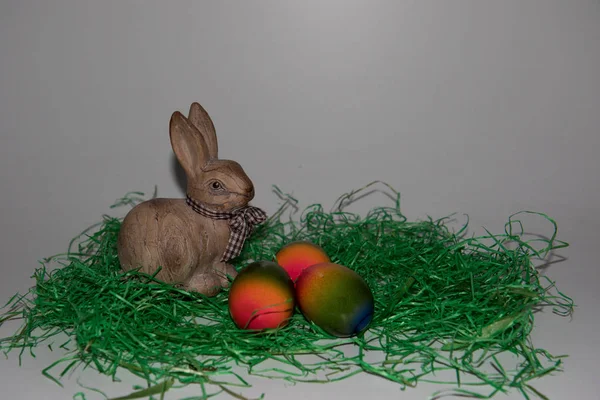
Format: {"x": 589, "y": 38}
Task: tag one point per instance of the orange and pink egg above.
{"x": 295, "y": 257}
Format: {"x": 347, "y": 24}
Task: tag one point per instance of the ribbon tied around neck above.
{"x": 241, "y": 224}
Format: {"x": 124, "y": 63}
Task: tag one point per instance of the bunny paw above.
{"x": 207, "y": 284}
{"x": 226, "y": 273}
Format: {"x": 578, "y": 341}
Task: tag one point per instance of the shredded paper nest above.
{"x": 444, "y": 301}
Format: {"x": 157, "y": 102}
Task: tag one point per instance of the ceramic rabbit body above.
{"x": 169, "y": 233}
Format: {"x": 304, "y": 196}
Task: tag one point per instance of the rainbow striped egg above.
{"x": 335, "y": 298}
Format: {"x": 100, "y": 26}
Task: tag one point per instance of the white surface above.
{"x": 483, "y": 108}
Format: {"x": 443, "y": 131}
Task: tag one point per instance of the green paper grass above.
{"x": 443, "y": 302}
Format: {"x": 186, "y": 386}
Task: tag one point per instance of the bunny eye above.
{"x": 216, "y": 185}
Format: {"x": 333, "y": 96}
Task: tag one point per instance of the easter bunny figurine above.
{"x": 192, "y": 239}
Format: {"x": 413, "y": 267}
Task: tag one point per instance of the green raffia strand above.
{"x": 443, "y": 301}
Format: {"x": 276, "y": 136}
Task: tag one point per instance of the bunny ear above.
{"x": 188, "y": 145}
{"x": 201, "y": 120}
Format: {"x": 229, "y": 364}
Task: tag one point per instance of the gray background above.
{"x": 476, "y": 107}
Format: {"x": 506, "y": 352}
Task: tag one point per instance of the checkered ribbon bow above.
{"x": 241, "y": 223}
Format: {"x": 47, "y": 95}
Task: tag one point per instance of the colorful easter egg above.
{"x": 261, "y": 297}
{"x": 335, "y": 298}
{"x": 295, "y": 257}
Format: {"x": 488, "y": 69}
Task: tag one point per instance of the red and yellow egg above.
{"x": 261, "y": 297}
